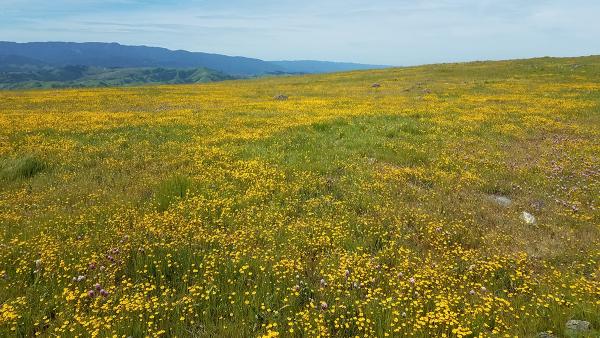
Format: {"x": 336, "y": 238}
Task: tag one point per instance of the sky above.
{"x": 388, "y": 32}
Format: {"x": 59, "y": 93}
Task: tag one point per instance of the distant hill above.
{"x": 85, "y": 76}
{"x": 69, "y": 64}
{"x": 97, "y": 54}
{"x": 311, "y": 67}
{"x": 116, "y": 55}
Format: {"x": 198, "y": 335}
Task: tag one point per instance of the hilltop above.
{"x": 456, "y": 200}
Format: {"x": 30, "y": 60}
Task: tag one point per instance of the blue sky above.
{"x": 391, "y": 32}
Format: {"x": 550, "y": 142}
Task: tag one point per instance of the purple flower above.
{"x": 103, "y": 293}
{"x": 98, "y": 287}
{"x": 91, "y": 294}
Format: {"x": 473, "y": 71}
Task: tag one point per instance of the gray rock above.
{"x": 578, "y": 325}
{"x": 528, "y": 218}
{"x": 501, "y": 200}
{"x": 545, "y": 335}
{"x": 280, "y": 97}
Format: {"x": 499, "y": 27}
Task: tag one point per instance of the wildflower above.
{"x": 472, "y": 292}
{"x": 324, "y": 306}
{"x": 91, "y": 294}
{"x": 97, "y": 286}
{"x": 323, "y": 283}
{"x": 103, "y": 293}
{"x": 78, "y": 278}
{"x": 411, "y": 280}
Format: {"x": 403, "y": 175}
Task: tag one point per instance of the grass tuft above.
{"x": 171, "y": 190}
{"x": 21, "y": 168}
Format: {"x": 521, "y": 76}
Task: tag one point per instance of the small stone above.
{"x": 280, "y": 97}
{"x": 528, "y": 218}
{"x": 375, "y": 85}
{"x": 578, "y": 325}
{"x": 502, "y": 201}
{"x": 545, "y": 334}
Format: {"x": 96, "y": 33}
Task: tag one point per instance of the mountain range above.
{"x": 114, "y": 55}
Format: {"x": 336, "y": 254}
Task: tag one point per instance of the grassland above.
{"x": 346, "y": 210}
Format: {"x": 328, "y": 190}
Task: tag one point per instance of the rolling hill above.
{"x": 452, "y": 200}
{"x": 112, "y": 55}
{"x": 28, "y": 76}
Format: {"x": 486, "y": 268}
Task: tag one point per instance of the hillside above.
{"x": 28, "y": 76}
{"x": 114, "y": 55}
{"x": 456, "y": 200}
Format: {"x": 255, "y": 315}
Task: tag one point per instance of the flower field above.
{"x": 345, "y": 210}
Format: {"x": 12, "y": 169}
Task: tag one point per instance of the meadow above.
{"x": 347, "y": 210}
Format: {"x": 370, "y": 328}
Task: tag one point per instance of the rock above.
{"x": 545, "y": 335}
{"x": 528, "y": 218}
{"x": 502, "y": 201}
{"x": 280, "y": 97}
{"x": 375, "y": 85}
{"x": 578, "y": 325}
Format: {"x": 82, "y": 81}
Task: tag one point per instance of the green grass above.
{"x": 24, "y": 167}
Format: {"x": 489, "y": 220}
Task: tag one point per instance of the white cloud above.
{"x": 385, "y": 31}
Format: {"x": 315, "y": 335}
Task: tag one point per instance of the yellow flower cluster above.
{"x": 345, "y": 210}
